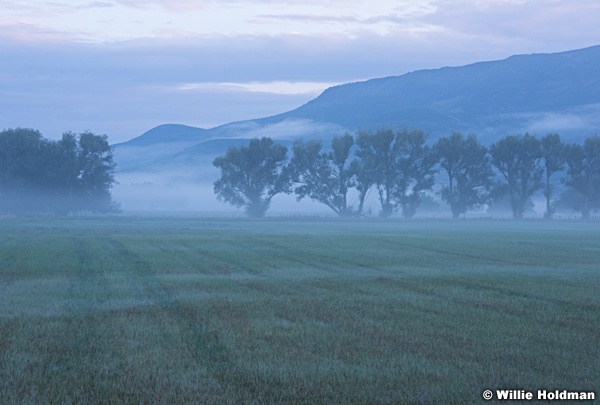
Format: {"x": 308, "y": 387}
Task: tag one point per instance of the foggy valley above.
{"x": 299, "y": 202}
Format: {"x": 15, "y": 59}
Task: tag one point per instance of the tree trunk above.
{"x": 548, "y": 214}
{"x": 585, "y": 210}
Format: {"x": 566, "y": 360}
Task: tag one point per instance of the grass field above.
{"x": 235, "y": 311}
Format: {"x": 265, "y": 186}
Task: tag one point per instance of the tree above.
{"x": 415, "y": 170}
{"x": 399, "y": 164}
{"x": 252, "y": 175}
{"x": 381, "y": 150}
{"x": 365, "y": 167}
{"x": 517, "y": 158}
{"x": 583, "y": 174}
{"x": 38, "y": 174}
{"x": 469, "y": 172}
{"x": 21, "y": 174}
{"x": 553, "y": 153}
{"x": 325, "y": 177}
{"x": 96, "y": 170}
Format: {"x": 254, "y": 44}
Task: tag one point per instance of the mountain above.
{"x": 170, "y": 167}
{"x": 535, "y": 93}
{"x": 170, "y": 133}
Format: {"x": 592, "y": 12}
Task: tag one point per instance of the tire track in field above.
{"x": 9, "y": 272}
{"x": 83, "y": 353}
{"x": 204, "y": 345}
{"x": 479, "y": 258}
{"x": 225, "y": 262}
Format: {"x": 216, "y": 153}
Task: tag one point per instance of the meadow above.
{"x": 187, "y": 311}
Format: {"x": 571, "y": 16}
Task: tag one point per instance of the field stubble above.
{"x": 222, "y": 311}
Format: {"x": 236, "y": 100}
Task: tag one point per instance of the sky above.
{"x": 122, "y": 67}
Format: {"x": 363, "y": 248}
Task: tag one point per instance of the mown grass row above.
{"x": 201, "y": 311}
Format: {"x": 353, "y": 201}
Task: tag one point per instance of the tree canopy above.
{"x": 583, "y": 174}
{"x": 325, "y": 177}
{"x": 400, "y": 166}
{"x": 553, "y": 153}
{"x": 75, "y": 173}
{"x": 517, "y": 158}
{"x": 252, "y": 175}
{"x": 468, "y": 168}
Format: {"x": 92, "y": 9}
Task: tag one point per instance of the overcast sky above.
{"x": 121, "y": 67}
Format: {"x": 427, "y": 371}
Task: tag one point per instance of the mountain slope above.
{"x": 478, "y": 97}
{"x": 170, "y": 133}
{"x": 536, "y": 93}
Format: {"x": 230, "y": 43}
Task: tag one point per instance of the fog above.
{"x": 187, "y": 192}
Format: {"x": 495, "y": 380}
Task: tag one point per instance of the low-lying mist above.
{"x": 184, "y": 192}
{"x": 191, "y": 192}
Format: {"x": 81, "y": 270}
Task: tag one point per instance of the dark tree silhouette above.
{"x": 553, "y": 153}
{"x": 400, "y": 166}
{"x": 414, "y": 171}
{"x": 73, "y": 174}
{"x": 517, "y": 158}
{"x": 252, "y": 175}
{"x": 583, "y": 174}
{"x": 469, "y": 171}
{"x": 325, "y": 177}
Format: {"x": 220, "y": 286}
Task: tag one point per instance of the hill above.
{"x": 526, "y": 93}
{"x": 537, "y": 93}
{"x": 558, "y": 92}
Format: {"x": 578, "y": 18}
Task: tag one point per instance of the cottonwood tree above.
{"x": 73, "y": 174}
{"x": 325, "y": 177}
{"x": 517, "y": 158}
{"x": 400, "y": 166}
{"x": 22, "y": 168}
{"x": 378, "y": 153}
{"x": 252, "y": 175}
{"x": 366, "y": 167}
{"x": 553, "y": 154}
{"x": 468, "y": 168}
{"x": 96, "y": 174}
{"x": 583, "y": 174}
{"x": 414, "y": 171}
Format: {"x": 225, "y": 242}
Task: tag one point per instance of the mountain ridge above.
{"x": 536, "y": 93}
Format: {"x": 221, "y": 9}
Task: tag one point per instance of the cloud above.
{"x": 251, "y": 59}
{"x": 290, "y": 128}
{"x": 518, "y": 25}
{"x": 273, "y": 87}
{"x": 585, "y": 120}
{"x": 31, "y": 33}
{"x": 125, "y": 88}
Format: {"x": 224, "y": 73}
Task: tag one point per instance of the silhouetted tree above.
{"x": 583, "y": 174}
{"x": 96, "y": 170}
{"x": 414, "y": 171}
{"x": 399, "y": 164}
{"x": 325, "y": 177}
{"x": 469, "y": 172}
{"x": 37, "y": 174}
{"x": 366, "y": 167}
{"x": 21, "y": 168}
{"x": 378, "y": 153}
{"x": 553, "y": 153}
{"x": 252, "y": 175}
{"x": 517, "y": 158}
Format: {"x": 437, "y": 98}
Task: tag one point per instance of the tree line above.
{"x": 75, "y": 173}
{"x": 401, "y": 168}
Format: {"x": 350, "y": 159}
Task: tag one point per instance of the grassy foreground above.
{"x": 233, "y": 311}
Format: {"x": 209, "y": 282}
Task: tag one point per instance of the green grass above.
{"x": 237, "y": 311}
